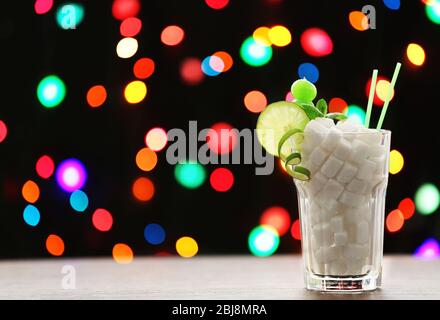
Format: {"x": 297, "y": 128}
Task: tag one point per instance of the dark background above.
{"x": 107, "y": 139}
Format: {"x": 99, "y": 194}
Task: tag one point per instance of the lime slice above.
{"x": 277, "y": 119}
{"x": 299, "y": 173}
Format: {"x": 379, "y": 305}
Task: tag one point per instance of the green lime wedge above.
{"x": 275, "y": 121}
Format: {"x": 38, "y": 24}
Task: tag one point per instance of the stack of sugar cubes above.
{"x": 347, "y": 163}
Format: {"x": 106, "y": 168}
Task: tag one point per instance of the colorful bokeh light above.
{"x": 255, "y": 101}
{"x": 221, "y": 179}
{"x": 123, "y": 9}
{"x": 309, "y": 71}
{"x": 395, "y": 221}
{"x": 31, "y": 215}
{"x": 316, "y": 42}
{"x": 3, "y": 131}
{"x": 143, "y": 189}
{"x": 43, "y": 6}
{"x": 217, "y": 4}
{"x": 382, "y": 87}
{"x": 358, "y": 20}
{"x": 263, "y": 241}
{"x": 127, "y": 47}
{"x": 191, "y": 71}
{"x": 143, "y": 68}
{"x": 172, "y": 35}
{"x": 279, "y": 36}
{"x": 407, "y": 207}
{"x": 396, "y": 162}
{"x": 226, "y": 59}
{"x": 156, "y": 139}
{"x": 154, "y": 233}
{"x": 51, "y": 91}
{"x": 427, "y": 198}
{"x": 45, "y": 167}
{"x": 96, "y": 96}
{"x": 277, "y": 217}
{"x": 415, "y": 54}
{"x": 55, "y": 245}
{"x": 207, "y": 66}
{"x": 392, "y": 4}
{"x": 135, "y": 91}
{"x": 122, "y": 253}
{"x": 102, "y": 220}
{"x": 30, "y": 191}
{"x": 295, "y": 231}
{"x": 432, "y": 10}
{"x": 337, "y": 105}
{"x": 255, "y": 54}
{"x": 355, "y": 113}
{"x": 261, "y": 36}
{"x": 79, "y": 201}
{"x": 428, "y": 250}
{"x": 146, "y": 159}
{"x": 70, "y": 15}
{"x": 187, "y": 247}
{"x": 71, "y": 175}
{"x": 190, "y": 175}
{"x": 221, "y": 138}
{"x": 130, "y": 27}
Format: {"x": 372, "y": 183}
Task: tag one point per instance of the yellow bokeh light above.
{"x": 382, "y": 88}
{"x": 187, "y": 247}
{"x": 126, "y": 48}
{"x": 135, "y": 91}
{"x": 279, "y": 36}
{"x": 415, "y": 54}
{"x": 396, "y": 162}
{"x": 261, "y": 36}
{"x": 283, "y": 165}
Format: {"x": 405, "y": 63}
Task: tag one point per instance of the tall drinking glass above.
{"x": 342, "y": 210}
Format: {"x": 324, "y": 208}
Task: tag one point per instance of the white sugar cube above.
{"x": 328, "y": 207}
{"x": 343, "y": 150}
{"x": 351, "y": 199}
{"x": 336, "y": 224}
{"x": 315, "y": 213}
{"x": 318, "y": 156}
{"x": 322, "y": 234}
{"x": 380, "y": 165}
{"x": 359, "y": 151}
{"x": 341, "y": 238}
{"x": 317, "y": 182}
{"x": 326, "y": 122}
{"x": 347, "y": 173}
{"x": 331, "y": 166}
{"x": 357, "y": 186}
{"x": 332, "y": 189}
{"x": 363, "y": 232}
{"x": 336, "y": 268}
{"x": 314, "y": 132}
{"x": 327, "y": 254}
{"x": 355, "y": 251}
{"x": 354, "y": 216}
{"x": 332, "y": 138}
{"x": 366, "y": 170}
{"x": 348, "y": 125}
{"x": 376, "y": 151}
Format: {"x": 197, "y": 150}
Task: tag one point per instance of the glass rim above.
{"x": 381, "y": 131}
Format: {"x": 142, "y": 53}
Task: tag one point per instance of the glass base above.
{"x": 342, "y": 284}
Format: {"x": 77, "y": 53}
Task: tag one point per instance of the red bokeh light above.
{"x": 395, "y": 220}
{"x": 295, "y": 231}
{"x": 278, "y": 218}
{"x": 337, "y": 105}
{"x": 191, "y": 71}
{"x": 130, "y": 27}
{"x": 407, "y": 207}
{"x": 377, "y": 101}
{"x": 316, "y": 42}
{"x": 102, "y": 220}
{"x": 45, "y": 167}
{"x": 43, "y": 6}
{"x": 217, "y": 4}
{"x": 221, "y": 138}
{"x": 143, "y": 68}
{"x": 123, "y": 9}
{"x": 221, "y": 179}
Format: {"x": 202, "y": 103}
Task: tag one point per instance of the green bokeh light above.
{"x": 51, "y": 91}
{"x": 263, "y": 241}
{"x": 355, "y": 113}
{"x": 433, "y": 11}
{"x": 191, "y": 175}
{"x": 70, "y": 15}
{"x": 427, "y": 198}
{"x": 255, "y": 54}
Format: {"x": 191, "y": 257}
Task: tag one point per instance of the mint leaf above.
{"x": 322, "y": 106}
